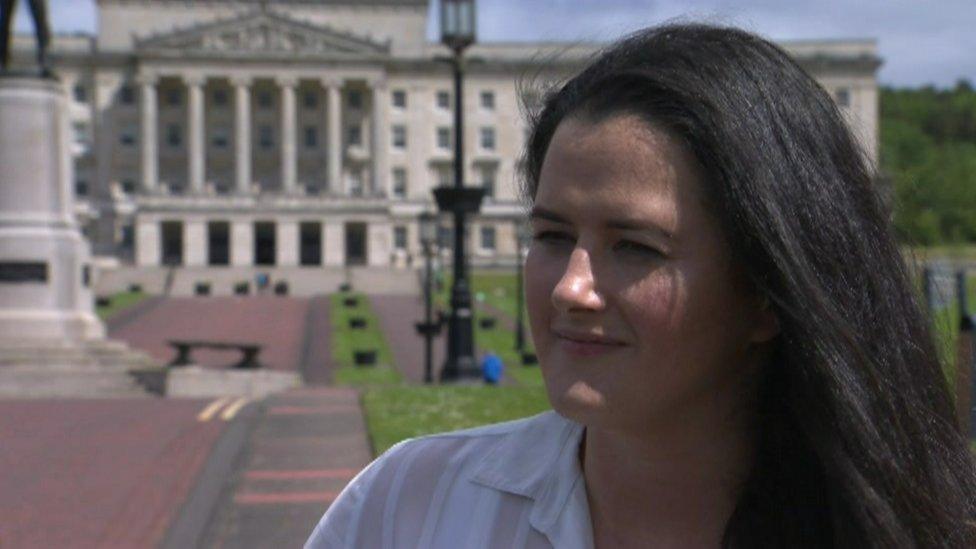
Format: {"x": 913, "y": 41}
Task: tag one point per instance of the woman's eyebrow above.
{"x": 538, "y": 212}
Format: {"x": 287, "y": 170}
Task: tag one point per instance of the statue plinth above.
{"x": 48, "y": 329}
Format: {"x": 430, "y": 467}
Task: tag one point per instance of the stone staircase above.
{"x": 93, "y": 369}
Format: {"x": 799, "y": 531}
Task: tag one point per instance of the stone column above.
{"x": 288, "y": 158}
{"x": 195, "y": 242}
{"x": 149, "y": 115}
{"x": 380, "y": 144}
{"x": 242, "y": 134}
{"x": 334, "y": 134}
{"x": 287, "y": 243}
{"x": 148, "y": 252}
{"x": 197, "y": 154}
{"x": 242, "y": 243}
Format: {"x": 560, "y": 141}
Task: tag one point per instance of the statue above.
{"x": 42, "y": 31}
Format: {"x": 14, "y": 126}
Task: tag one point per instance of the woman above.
{"x": 727, "y": 332}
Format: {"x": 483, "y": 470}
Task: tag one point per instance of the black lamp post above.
{"x": 429, "y": 327}
{"x": 522, "y": 236}
{"x": 457, "y": 33}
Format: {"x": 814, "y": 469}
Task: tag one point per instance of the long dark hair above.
{"x": 858, "y": 444}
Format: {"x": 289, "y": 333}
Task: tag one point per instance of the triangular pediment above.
{"x": 262, "y": 34}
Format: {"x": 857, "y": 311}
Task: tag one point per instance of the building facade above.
{"x": 233, "y": 133}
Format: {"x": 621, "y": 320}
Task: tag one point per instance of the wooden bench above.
{"x": 249, "y": 351}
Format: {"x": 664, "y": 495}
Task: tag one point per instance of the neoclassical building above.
{"x": 235, "y": 134}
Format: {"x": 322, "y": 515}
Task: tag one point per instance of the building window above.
{"x": 219, "y": 138}
{"x": 311, "y": 137}
{"x": 311, "y": 100}
{"x": 81, "y": 187}
{"x": 843, "y": 97}
{"x": 400, "y": 99}
{"x": 400, "y": 137}
{"x": 128, "y": 186}
{"x": 444, "y": 137}
{"x": 174, "y": 135}
{"x": 400, "y": 237}
{"x": 355, "y": 99}
{"x": 174, "y": 97}
{"x": 445, "y": 175}
{"x": 265, "y": 137}
{"x": 127, "y": 95}
{"x": 488, "y": 181}
{"x": 488, "y": 100}
{"x": 265, "y": 101}
{"x": 80, "y": 93}
{"x": 488, "y": 139}
{"x": 445, "y": 236}
{"x": 356, "y": 183}
{"x": 355, "y": 135}
{"x": 127, "y": 138}
{"x": 220, "y": 98}
{"x": 488, "y": 238}
{"x": 443, "y": 99}
{"x": 399, "y": 182}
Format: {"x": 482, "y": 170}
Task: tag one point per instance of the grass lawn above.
{"x": 119, "y": 301}
{"x": 345, "y": 341}
{"x": 397, "y": 413}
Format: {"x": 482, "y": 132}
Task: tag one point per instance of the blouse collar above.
{"x": 541, "y": 462}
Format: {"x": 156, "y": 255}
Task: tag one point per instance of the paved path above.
{"x": 306, "y": 445}
{"x": 98, "y": 473}
{"x": 278, "y": 323}
{"x": 316, "y": 358}
{"x": 397, "y": 315}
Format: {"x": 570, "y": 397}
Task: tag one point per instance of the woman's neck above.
{"x": 674, "y": 485}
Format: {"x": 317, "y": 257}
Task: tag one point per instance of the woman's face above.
{"x": 635, "y": 312}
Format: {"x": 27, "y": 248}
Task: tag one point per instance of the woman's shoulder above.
{"x": 419, "y": 475}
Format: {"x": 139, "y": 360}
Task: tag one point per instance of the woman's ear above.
{"x": 766, "y": 326}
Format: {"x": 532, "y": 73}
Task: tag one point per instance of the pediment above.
{"x": 261, "y": 34}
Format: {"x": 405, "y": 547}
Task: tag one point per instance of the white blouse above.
{"x": 510, "y": 485}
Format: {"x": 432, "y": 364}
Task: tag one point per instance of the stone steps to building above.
{"x": 56, "y": 380}
{"x": 99, "y": 368}
{"x": 222, "y": 281}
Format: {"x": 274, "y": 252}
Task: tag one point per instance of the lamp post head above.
{"x": 428, "y": 229}
{"x": 457, "y": 24}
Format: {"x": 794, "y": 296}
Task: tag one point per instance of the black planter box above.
{"x": 134, "y": 288}
{"x": 357, "y": 323}
{"x": 364, "y": 358}
{"x": 242, "y": 288}
{"x": 103, "y": 301}
{"x": 202, "y": 288}
{"x": 350, "y": 301}
{"x": 487, "y": 322}
{"x": 529, "y": 359}
{"x": 281, "y": 288}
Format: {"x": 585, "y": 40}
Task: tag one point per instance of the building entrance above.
{"x": 311, "y": 243}
{"x": 218, "y": 243}
{"x": 355, "y": 243}
{"x": 264, "y": 243}
{"x": 172, "y": 245}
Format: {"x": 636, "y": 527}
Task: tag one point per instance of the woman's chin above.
{"x": 579, "y": 401}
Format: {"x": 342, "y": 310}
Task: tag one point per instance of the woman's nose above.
{"x": 576, "y": 289}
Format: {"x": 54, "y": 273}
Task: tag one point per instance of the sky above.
{"x": 921, "y": 41}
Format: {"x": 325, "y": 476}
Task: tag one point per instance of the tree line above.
{"x": 928, "y": 155}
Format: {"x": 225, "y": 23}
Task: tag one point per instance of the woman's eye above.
{"x": 552, "y": 236}
{"x": 636, "y": 247}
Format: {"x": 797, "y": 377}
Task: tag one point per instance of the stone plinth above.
{"x": 45, "y": 275}
{"x": 51, "y": 342}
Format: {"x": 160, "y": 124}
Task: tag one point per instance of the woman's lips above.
{"x": 584, "y": 345}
